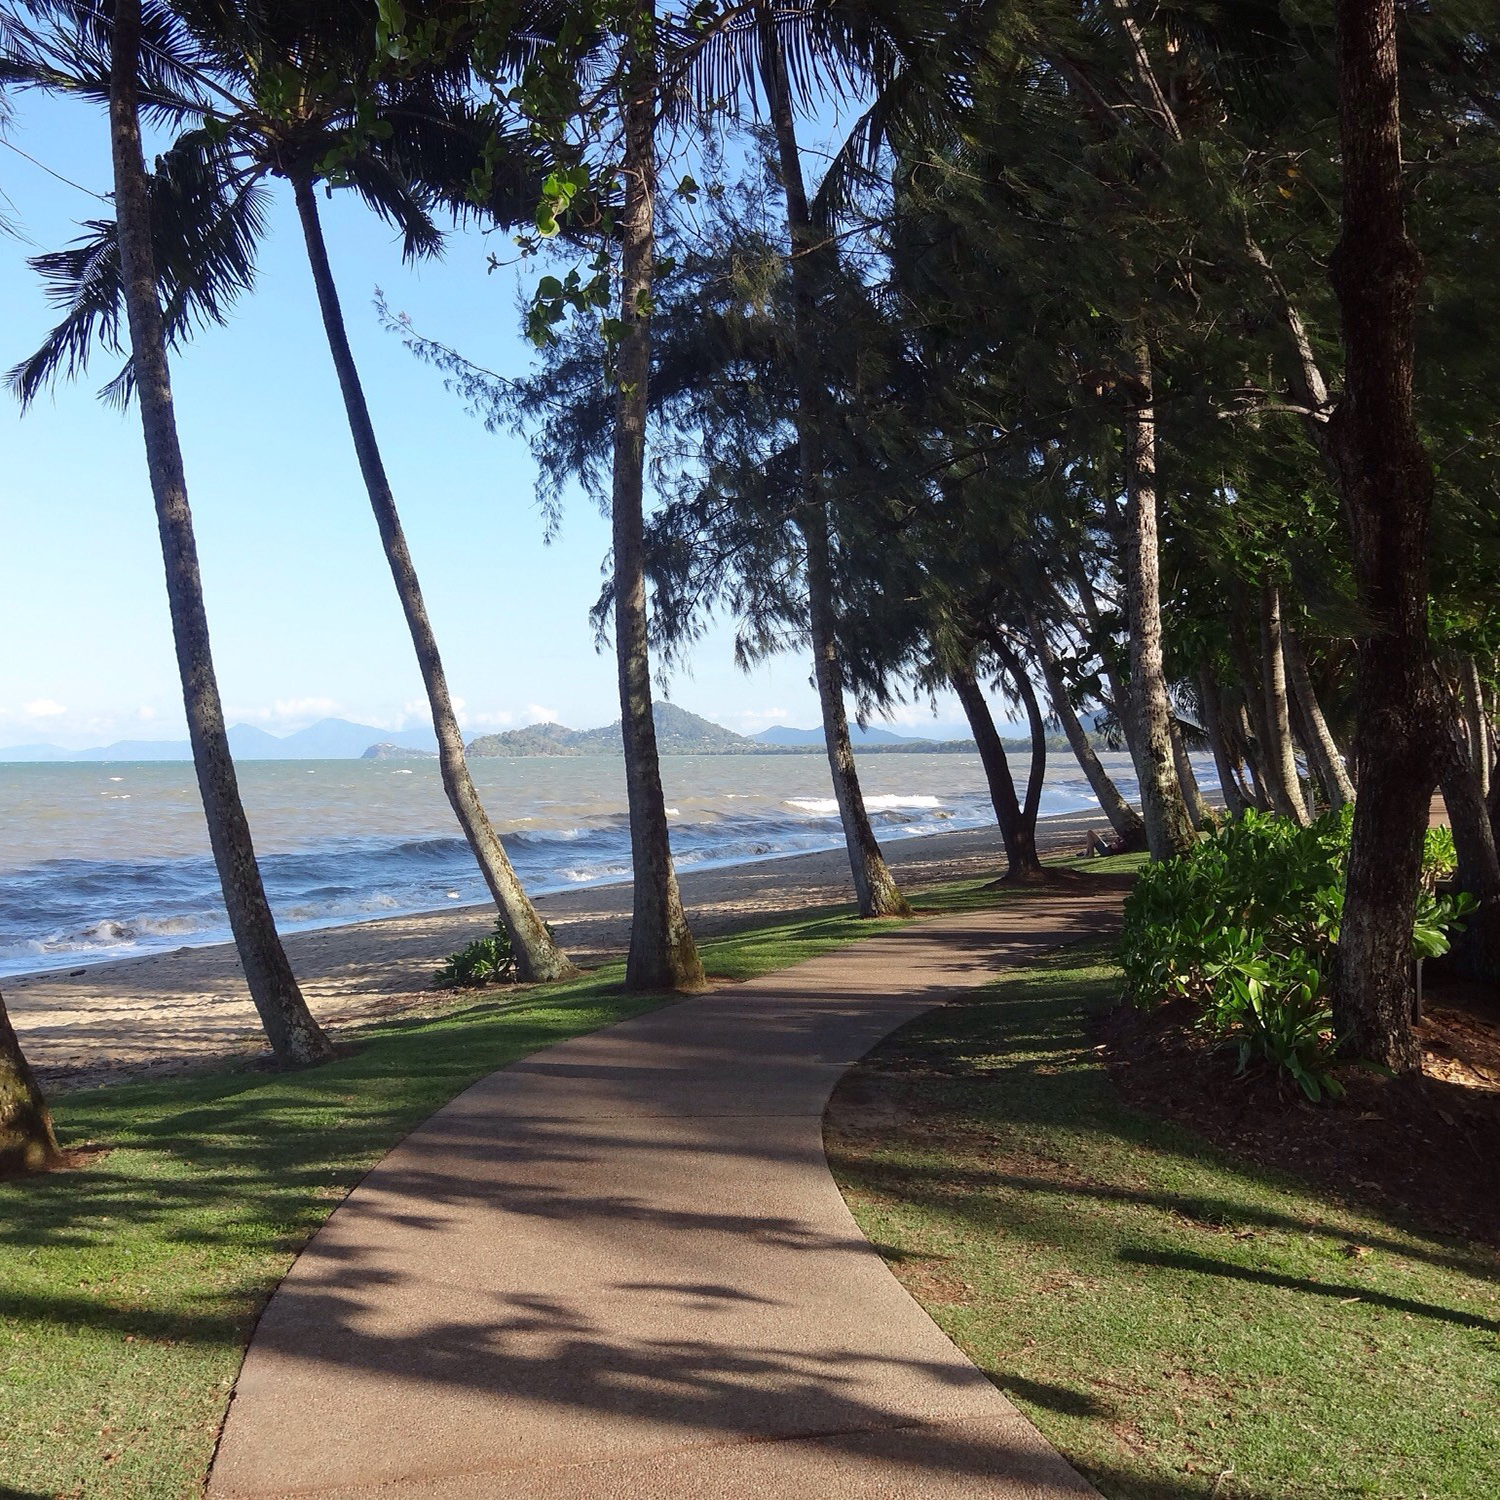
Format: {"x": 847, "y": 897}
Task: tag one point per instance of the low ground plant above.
{"x": 1245, "y": 926}
{"x": 485, "y": 961}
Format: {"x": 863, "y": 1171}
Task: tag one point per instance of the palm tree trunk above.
{"x": 1020, "y": 840}
{"x": 1245, "y": 733}
{"x": 1169, "y": 829}
{"x": 1278, "y": 712}
{"x": 1259, "y": 753}
{"x": 1123, "y": 818}
{"x": 1476, "y": 724}
{"x": 26, "y": 1140}
{"x": 1224, "y": 759}
{"x": 538, "y": 958}
{"x": 1386, "y": 485}
{"x": 663, "y": 954}
{"x": 1322, "y": 748}
{"x": 295, "y": 1036}
{"x": 1187, "y": 778}
{"x": 874, "y": 886}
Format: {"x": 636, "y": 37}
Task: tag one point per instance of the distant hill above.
{"x": 781, "y": 734}
{"x": 385, "y": 750}
{"x": 328, "y": 739}
{"x": 678, "y": 732}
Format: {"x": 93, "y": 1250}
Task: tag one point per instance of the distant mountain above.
{"x": 328, "y": 739}
{"x": 385, "y": 750}
{"x": 678, "y": 732}
{"x": 781, "y": 734}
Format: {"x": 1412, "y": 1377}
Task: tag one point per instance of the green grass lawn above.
{"x": 1178, "y": 1324}
{"x": 128, "y": 1288}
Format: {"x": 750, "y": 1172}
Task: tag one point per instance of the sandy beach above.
{"x": 168, "y": 1013}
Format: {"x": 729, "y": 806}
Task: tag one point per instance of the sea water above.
{"x": 102, "y": 860}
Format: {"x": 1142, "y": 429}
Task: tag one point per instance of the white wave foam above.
{"x": 824, "y": 807}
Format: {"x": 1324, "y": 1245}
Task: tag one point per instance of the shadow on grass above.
{"x": 1202, "y": 1265}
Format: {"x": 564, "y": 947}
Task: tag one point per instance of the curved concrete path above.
{"x": 620, "y": 1268}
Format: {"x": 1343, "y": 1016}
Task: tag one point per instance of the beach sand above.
{"x": 169, "y": 1013}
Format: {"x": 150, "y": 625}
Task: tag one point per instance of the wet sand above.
{"x": 169, "y": 1013}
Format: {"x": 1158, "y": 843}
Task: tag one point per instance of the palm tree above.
{"x": 280, "y": 107}
{"x": 295, "y": 1036}
{"x": 663, "y": 954}
{"x": 26, "y": 1140}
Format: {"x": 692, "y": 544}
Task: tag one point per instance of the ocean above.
{"x": 107, "y": 860}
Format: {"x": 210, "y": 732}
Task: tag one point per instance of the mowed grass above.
{"x": 1180, "y": 1325}
{"x": 129, "y": 1287}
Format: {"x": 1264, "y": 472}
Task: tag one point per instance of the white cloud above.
{"x": 536, "y": 713}
{"x": 304, "y": 708}
{"x": 760, "y": 715}
{"x": 42, "y": 708}
{"x": 145, "y": 711}
{"x": 497, "y": 719}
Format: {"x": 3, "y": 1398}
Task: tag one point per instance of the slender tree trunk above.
{"x": 1187, "y": 778}
{"x": 537, "y": 957}
{"x": 1224, "y": 758}
{"x": 1476, "y": 950}
{"x": 1322, "y": 748}
{"x": 1476, "y": 724}
{"x": 1264, "y": 764}
{"x": 1119, "y": 692}
{"x": 663, "y": 954}
{"x": 1386, "y": 485}
{"x": 295, "y": 1036}
{"x": 1278, "y": 711}
{"x": 26, "y": 1140}
{"x": 1245, "y": 734}
{"x": 1169, "y": 829}
{"x": 1021, "y": 857}
{"x": 1123, "y": 818}
{"x": 874, "y": 886}
{"x": 1036, "y": 723}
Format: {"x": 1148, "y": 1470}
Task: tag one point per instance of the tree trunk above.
{"x": 537, "y": 957}
{"x": 1187, "y": 778}
{"x": 1278, "y": 712}
{"x": 294, "y": 1035}
{"x": 874, "y": 886}
{"x": 1036, "y": 722}
{"x": 1244, "y": 730}
{"x": 1386, "y": 486}
{"x": 1322, "y": 748}
{"x": 1476, "y": 950}
{"x": 1119, "y": 692}
{"x": 26, "y": 1140}
{"x": 1123, "y": 818}
{"x": 1260, "y": 751}
{"x": 875, "y": 889}
{"x": 1476, "y": 724}
{"x": 663, "y": 954}
{"x": 1019, "y": 839}
{"x": 1169, "y": 829}
{"x": 1224, "y": 758}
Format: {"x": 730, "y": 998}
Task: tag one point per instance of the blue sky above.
{"x": 303, "y": 611}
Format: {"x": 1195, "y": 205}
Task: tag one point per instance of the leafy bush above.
{"x": 1245, "y": 926}
{"x": 487, "y": 960}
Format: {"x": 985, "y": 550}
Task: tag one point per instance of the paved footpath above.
{"x": 620, "y": 1268}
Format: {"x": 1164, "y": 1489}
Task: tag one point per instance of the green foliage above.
{"x": 1245, "y": 926}
{"x": 485, "y": 961}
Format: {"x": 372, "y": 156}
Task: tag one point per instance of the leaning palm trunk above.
{"x": 26, "y": 1140}
{"x": 875, "y": 888}
{"x": 1169, "y": 828}
{"x": 537, "y": 956}
{"x": 1187, "y": 778}
{"x": 1322, "y": 748}
{"x": 663, "y": 954}
{"x": 1278, "y": 711}
{"x": 295, "y": 1036}
{"x": 1036, "y": 723}
{"x": 1018, "y": 836}
{"x": 1123, "y": 818}
{"x": 1224, "y": 758}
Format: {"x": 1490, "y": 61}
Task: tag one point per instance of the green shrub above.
{"x": 487, "y": 960}
{"x": 1245, "y": 926}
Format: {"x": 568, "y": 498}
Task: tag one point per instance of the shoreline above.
{"x": 181, "y": 1010}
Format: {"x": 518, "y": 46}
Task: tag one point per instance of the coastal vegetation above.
{"x": 1128, "y": 365}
